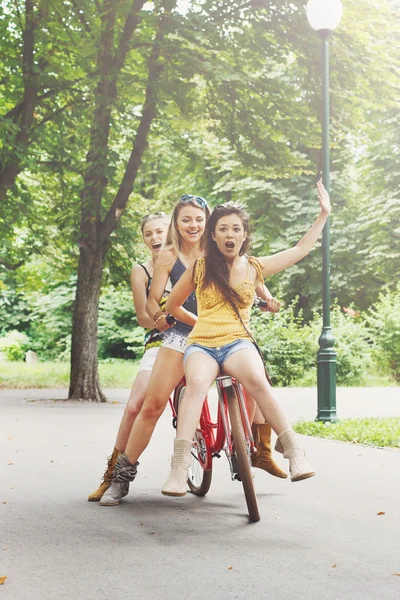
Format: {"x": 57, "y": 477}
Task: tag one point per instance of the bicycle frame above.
{"x": 217, "y": 436}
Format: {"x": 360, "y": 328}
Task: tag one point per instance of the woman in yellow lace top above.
{"x": 224, "y": 281}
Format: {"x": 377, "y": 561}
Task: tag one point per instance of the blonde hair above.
{"x": 151, "y": 217}
{"x": 174, "y": 239}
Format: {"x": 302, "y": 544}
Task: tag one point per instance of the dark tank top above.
{"x": 190, "y": 303}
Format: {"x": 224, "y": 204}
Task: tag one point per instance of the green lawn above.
{"x": 371, "y": 431}
{"x": 118, "y": 374}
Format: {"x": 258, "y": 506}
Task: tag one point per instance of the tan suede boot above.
{"x": 289, "y": 446}
{"x": 262, "y": 459}
{"x": 176, "y": 484}
{"x": 107, "y": 478}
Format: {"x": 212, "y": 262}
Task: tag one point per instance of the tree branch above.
{"x": 155, "y": 68}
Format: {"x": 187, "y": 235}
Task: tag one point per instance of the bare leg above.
{"x": 200, "y": 371}
{"x": 247, "y": 368}
{"x": 166, "y": 374}
{"x": 258, "y": 417}
{"x": 132, "y": 409}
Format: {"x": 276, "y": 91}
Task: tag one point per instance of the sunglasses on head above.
{"x": 188, "y": 197}
{"x": 229, "y": 205}
{"x": 153, "y": 215}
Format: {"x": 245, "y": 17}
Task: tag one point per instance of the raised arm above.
{"x": 283, "y": 260}
{"x": 177, "y": 297}
{"x": 139, "y": 282}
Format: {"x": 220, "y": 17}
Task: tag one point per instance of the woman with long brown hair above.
{"x": 224, "y": 281}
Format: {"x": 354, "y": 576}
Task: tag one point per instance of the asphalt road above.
{"x": 320, "y": 539}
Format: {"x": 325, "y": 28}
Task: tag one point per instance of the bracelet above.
{"x": 159, "y": 313}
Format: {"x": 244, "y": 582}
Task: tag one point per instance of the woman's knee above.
{"x": 153, "y": 406}
{"x": 134, "y": 406}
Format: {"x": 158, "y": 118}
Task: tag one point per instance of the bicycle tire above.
{"x": 242, "y": 455}
{"x": 199, "y": 480}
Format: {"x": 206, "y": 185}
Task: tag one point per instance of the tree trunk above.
{"x": 84, "y": 381}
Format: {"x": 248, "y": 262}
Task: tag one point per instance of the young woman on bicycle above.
{"x": 185, "y": 243}
{"x": 224, "y": 282}
{"x": 154, "y": 229}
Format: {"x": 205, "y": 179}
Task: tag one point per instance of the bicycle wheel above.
{"x": 240, "y": 449}
{"x": 199, "y": 480}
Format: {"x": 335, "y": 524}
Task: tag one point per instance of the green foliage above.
{"x": 353, "y": 346}
{"x": 14, "y": 345}
{"x": 290, "y": 346}
{"x": 50, "y": 321}
{"x": 119, "y": 333}
{"x": 286, "y": 344}
{"x": 384, "y": 324}
{"x": 372, "y": 432}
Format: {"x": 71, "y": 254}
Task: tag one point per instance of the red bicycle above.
{"x": 230, "y": 433}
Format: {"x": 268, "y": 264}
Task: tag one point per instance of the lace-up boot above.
{"x": 107, "y": 478}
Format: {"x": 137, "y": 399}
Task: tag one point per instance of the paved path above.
{"x": 320, "y": 539}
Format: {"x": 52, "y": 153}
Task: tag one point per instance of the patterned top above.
{"x": 153, "y": 337}
{"x": 190, "y": 303}
{"x": 218, "y": 323}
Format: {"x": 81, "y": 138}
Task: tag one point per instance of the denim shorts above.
{"x": 220, "y": 354}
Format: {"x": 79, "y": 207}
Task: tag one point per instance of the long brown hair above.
{"x": 173, "y": 236}
{"x": 216, "y": 267}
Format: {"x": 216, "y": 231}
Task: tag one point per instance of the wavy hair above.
{"x": 216, "y": 268}
{"x": 174, "y": 238}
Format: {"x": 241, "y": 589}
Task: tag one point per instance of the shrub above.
{"x": 119, "y": 334}
{"x": 383, "y": 321}
{"x": 14, "y": 345}
{"x": 352, "y": 345}
{"x": 286, "y": 344}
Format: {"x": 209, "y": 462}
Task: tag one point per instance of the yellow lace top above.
{"x": 218, "y": 324}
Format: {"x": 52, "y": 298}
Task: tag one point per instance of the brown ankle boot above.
{"x": 263, "y": 457}
{"x": 107, "y": 478}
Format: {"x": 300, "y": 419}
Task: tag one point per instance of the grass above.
{"x": 371, "y": 431}
{"x": 18, "y": 375}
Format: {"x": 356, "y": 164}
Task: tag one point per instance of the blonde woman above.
{"x": 154, "y": 229}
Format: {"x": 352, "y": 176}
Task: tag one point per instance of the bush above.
{"x": 383, "y": 321}
{"x": 51, "y": 321}
{"x": 290, "y": 347}
{"x": 14, "y": 345}
{"x": 286, "y": 344}
{"x": 119, "y": 334}
{"x": 353, "y": 347}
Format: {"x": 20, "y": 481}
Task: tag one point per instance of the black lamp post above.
{"x": 324, "y": 16}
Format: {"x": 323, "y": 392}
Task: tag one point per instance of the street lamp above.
{"x": 324, "y": 16}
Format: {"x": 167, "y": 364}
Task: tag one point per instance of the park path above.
{"x": 321, "y": 539}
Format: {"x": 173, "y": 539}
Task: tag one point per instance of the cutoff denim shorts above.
{"x": 220, "y": 354}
